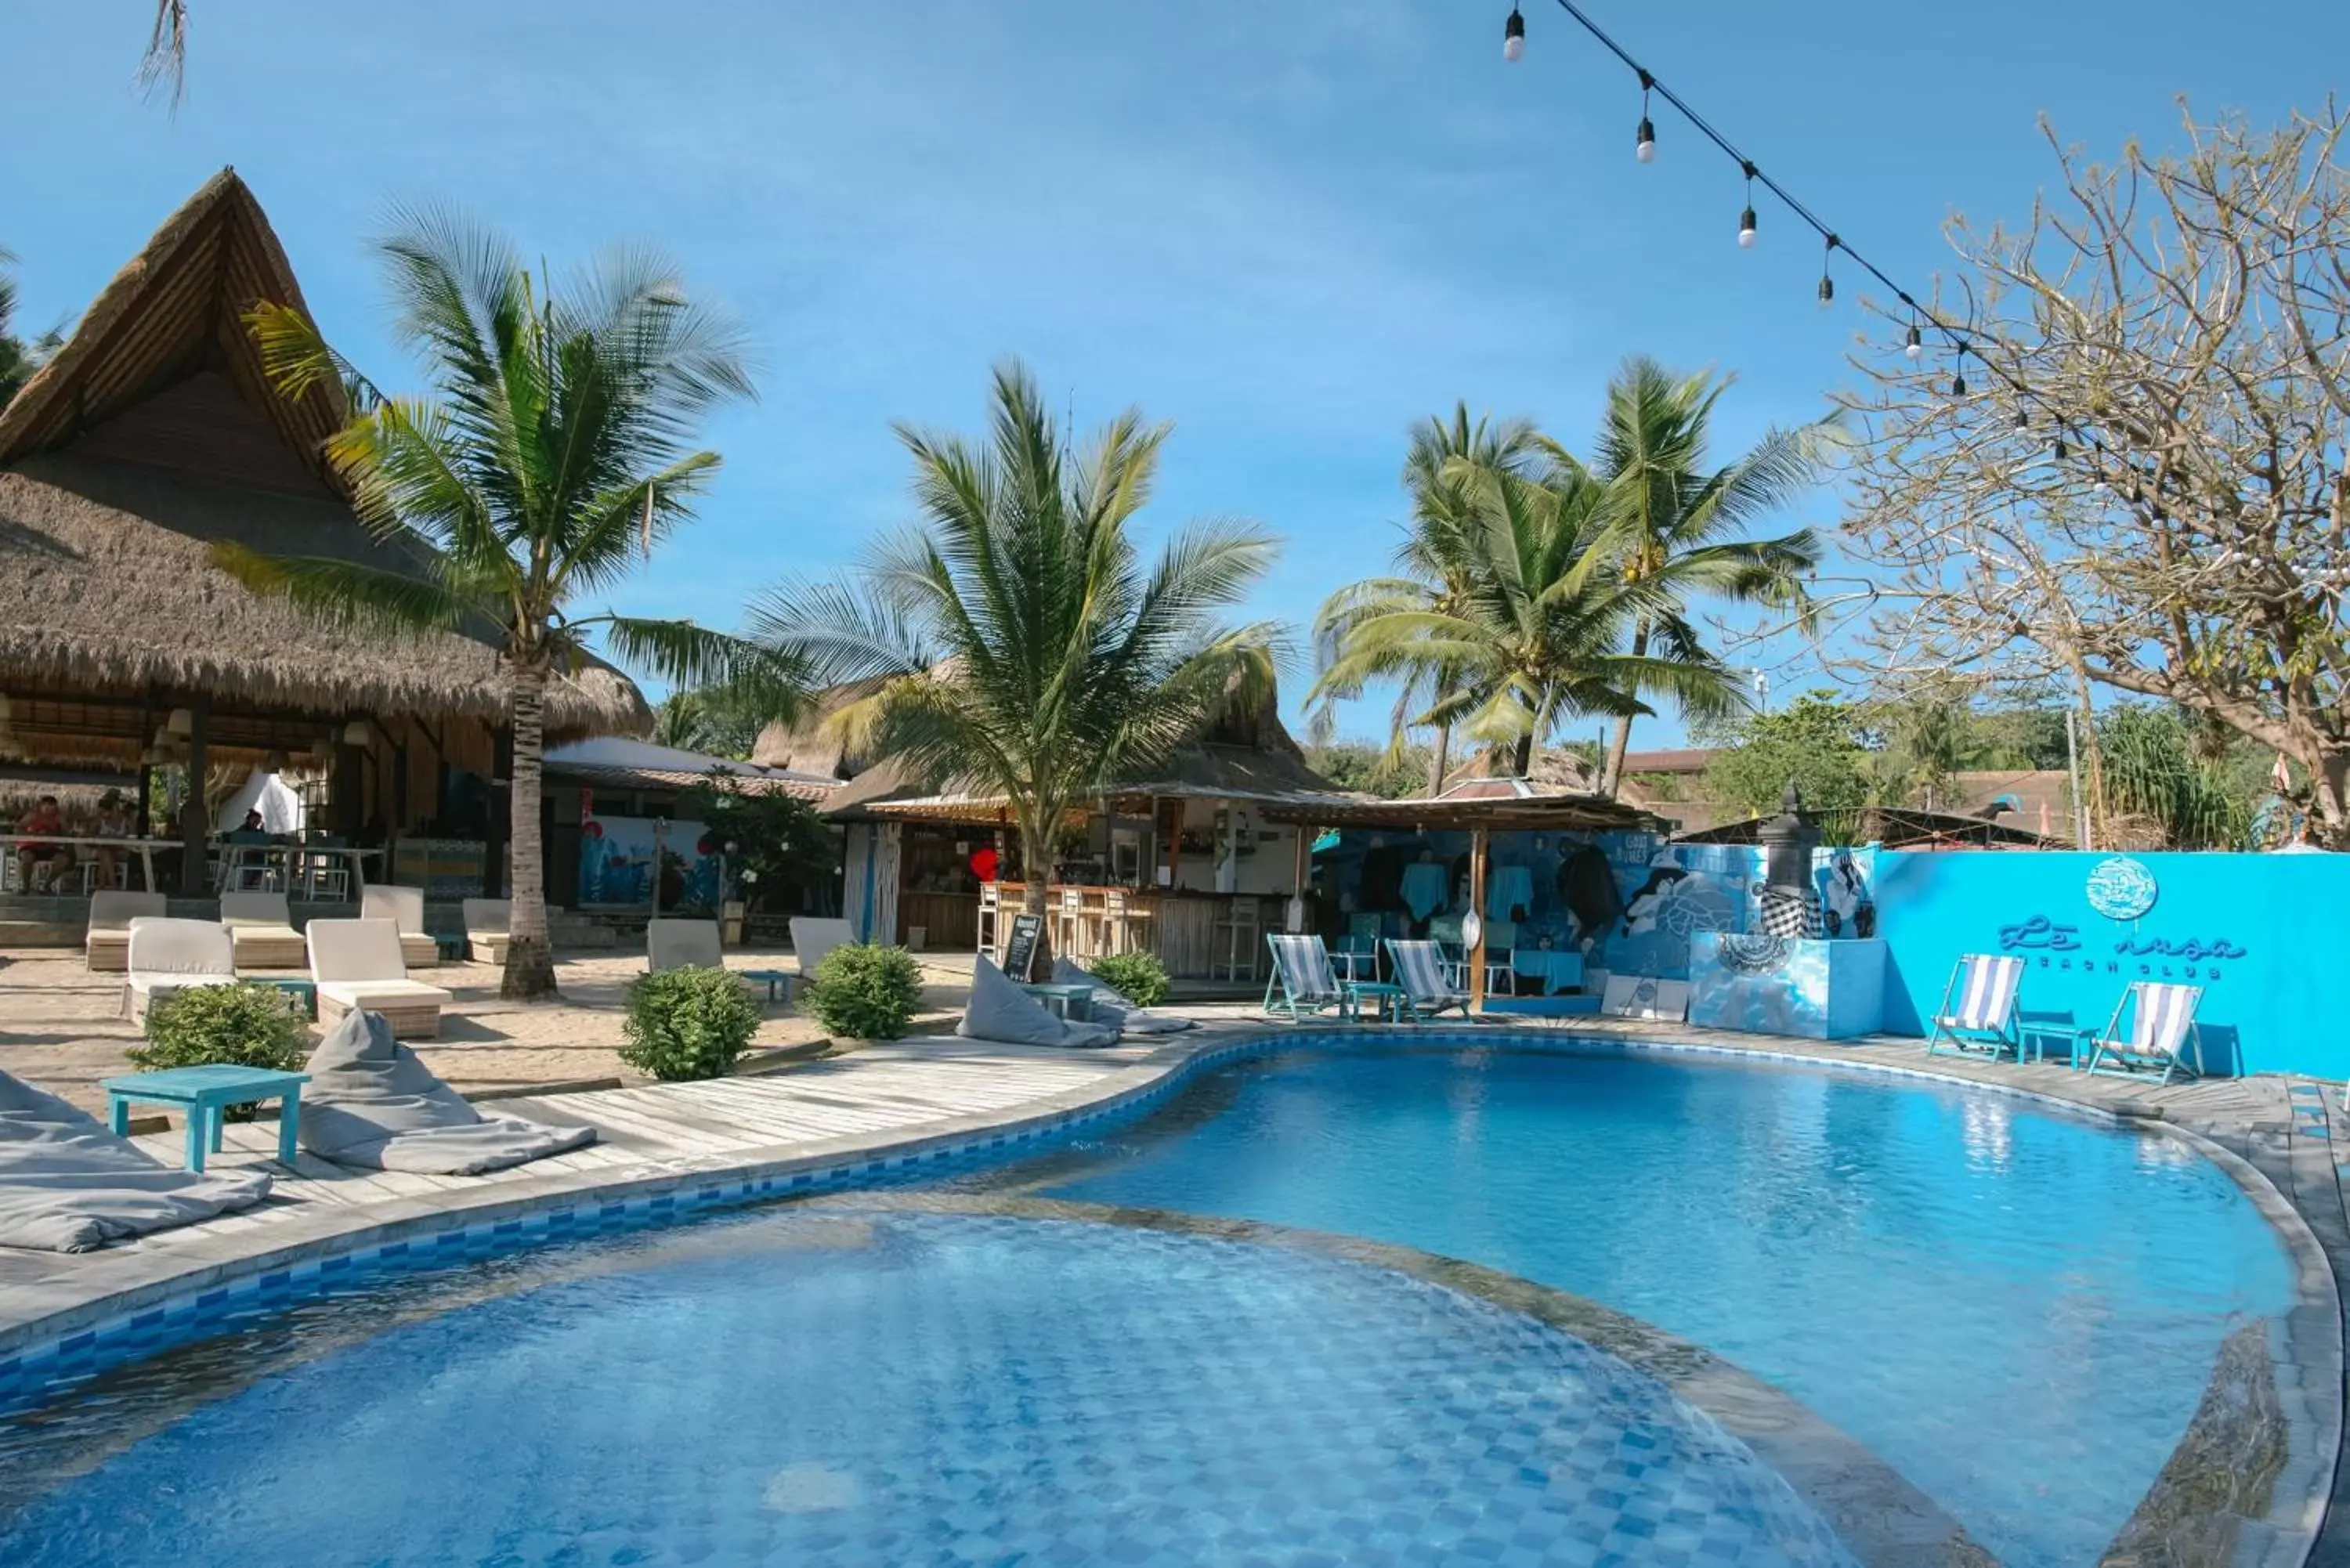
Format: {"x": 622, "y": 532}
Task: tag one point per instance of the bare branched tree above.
{"x": 2132, "y": 475}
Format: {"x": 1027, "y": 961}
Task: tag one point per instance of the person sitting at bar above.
{"x": 251, "y": 833}
{"x": 45, "y": 818}
{"x": 113, "y": 822}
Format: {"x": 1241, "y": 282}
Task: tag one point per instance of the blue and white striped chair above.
{"x": 2162, "y": 1024}
{"x": 1428, "y": 987}
{"x": 1302, "y": 972}
{"x": 1978, "y": 1011}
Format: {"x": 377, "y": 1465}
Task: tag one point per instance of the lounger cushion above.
{"x": 1002, "y": 1012}
{"x": 683, "y": 944}
{"x": 371, "y": 1104}
{"x": 68, "y": 1185}
{"x": 1114, "y": 1010}
{"x": 398, "y": 993}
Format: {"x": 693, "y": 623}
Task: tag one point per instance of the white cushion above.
{"x": 355, "y": 950}
{"x": 683, "y": 944}
{"x": 403, "y": 906}
{"x": 111, "y": 910}
{"x": 164, "y": 946}
{"x": 488, "y": 917}
{"x": 360, "y": 993}
{"x": 255, "y": 909}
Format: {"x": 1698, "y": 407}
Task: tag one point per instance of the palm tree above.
{"x": 1444, "y": 508}
{"x": 556, "y": 443}
{"x": 1537, "y": 634}
{"x": 1017, "y": 641}
{"x": 19, "y": 358}
{"x": 1669, "y": 521}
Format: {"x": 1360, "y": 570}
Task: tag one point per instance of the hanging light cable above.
{"x": 1513, "y": 38}
{"x": 1644, "y": 145}
{"x": 1746, "y": 218}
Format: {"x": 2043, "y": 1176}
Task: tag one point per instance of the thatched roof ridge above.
{"x": 175, "y": 308}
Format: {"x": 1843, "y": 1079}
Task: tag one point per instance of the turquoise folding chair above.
{"x": 2162, "y": 1026}
{"x": 1302, "y": 972}
{"x": 1978, "y": 1011}
{"x": 1421, "y": 971}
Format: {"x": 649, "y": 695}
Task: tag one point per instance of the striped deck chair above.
{"x": 1426, "y": 977}
{"x": 1978, "y": 1011}
{"x": 2162, "y": 1024}
{"x": 1307, "y": 983}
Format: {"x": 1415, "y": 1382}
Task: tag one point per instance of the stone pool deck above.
{"x": 900, "y": 1101}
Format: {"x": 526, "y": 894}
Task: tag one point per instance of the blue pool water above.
{"x": 878, "y": 1388}
{"x": 2018, "y": 1311}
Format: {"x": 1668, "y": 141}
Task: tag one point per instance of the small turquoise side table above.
{"x": 1385, "y": 998}
{"x": 778, "y": 981}
{"x": 205, "y": 1093}
{"x": 1072, "y": 1002}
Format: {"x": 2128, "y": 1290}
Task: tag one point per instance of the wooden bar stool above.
{"x": 1116, "y": 934}
{"x": 1069, "y": 922}
{"x": 991, "y": 901}
{"x": 1239, "y": 925}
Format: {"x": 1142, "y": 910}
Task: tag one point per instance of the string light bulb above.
{"x": 1827, "y": 284}
{"x": 1513, "y": 38}
{"x": 1916, "y": 344}
{"x": 2022, "y": 420}
{"x": 1746, "y": 218}
{"x": 1958, "y": 374}
{"x": 2056, "y": 448}
{"x": 1644, "y": 145}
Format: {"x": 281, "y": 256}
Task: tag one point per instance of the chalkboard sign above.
{"x": 1022, "y": 953}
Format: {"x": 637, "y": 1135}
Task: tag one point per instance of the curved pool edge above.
{"x": 114, "y": 1313}
{"x": 1884, "y": 1519}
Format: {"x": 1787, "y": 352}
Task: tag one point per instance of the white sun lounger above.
{"x": 674, "y": 943}
{"x": 261, "y": 930}
{"x": 107, "y": 948}
{"x": 486, "y": 921}
{"x": 1978, "y": 1011}
{"x": 2162, "y": 1026}
{"x": 405, "y": 908}
{"x": 812, "y": 937}
{"x": 356, "y": 963}
{"x": 167, "y": 955}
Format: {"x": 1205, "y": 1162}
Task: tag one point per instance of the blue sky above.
{"x": 1292, "y": 229}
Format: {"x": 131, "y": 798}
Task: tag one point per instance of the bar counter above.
{"x": 1186, "y": 929}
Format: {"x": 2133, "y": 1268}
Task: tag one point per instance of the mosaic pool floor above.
{"x": 847, "y": 1386}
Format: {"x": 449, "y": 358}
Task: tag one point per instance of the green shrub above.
{"x": 241, "y": 1025}
{"x": 1140, "y": 978}
{"x": 866, "y": 993}
{"x": 688, "y": 1024}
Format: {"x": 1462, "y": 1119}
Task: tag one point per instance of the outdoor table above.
{"x": 206, "y": 1093}
{"x": 305, "y": 991}
{"x": 1069, "y": 1001}
{"x": 2035, "y": 1035}
{"x": 1554, "y": 968}
{"x": 1385, "y": 995}
{"x": 778, "y": 981}
{"x": 81, "y": 844}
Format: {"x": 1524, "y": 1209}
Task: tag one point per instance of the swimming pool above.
{"x": 2018, "y": 1311}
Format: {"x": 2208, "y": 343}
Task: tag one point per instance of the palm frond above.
{"x": 347, "y": 593}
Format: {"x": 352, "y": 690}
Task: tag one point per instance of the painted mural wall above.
{"x": 2262, "y": 934}
{"x": 1627, "y": 902}
{"x": 616, "y": 861}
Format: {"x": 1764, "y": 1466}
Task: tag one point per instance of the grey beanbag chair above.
{"x": 1113, "y": 1009}
{"x": 68, "y": 1185}
{"x": 370, "y": 1102}
{"x": 1002, "y": 1012}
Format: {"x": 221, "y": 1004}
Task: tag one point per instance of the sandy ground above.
{"x": 61, "y": 1026}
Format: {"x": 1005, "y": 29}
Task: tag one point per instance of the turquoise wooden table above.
{"x": 776, "y": 981}
{"x": 205, "y": 1093}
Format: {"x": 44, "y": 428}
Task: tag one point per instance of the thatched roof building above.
{"x": 153, "y": 434}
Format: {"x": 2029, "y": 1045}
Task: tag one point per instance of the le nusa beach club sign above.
{"x": 2122, "y": 896}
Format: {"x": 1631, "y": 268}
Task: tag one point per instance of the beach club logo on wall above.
{"x": 2124, "y": 891}
{"x": 2121, "y": 888}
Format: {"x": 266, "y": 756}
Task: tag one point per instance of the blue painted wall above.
{"x": 2264, "y": 935}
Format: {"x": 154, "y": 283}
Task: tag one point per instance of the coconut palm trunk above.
{"x": 530, "y": 954}
{"x": 1440, "y": 762}
{"x": 1620, "y": 747}
{"x": 1036, "y": 866}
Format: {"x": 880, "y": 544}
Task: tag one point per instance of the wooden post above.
{"x": 1477, "y": 905}
{"x": 195, "y": 824}
{"x": 1297, "y": 879}
{"x": 1174, "y": 843}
